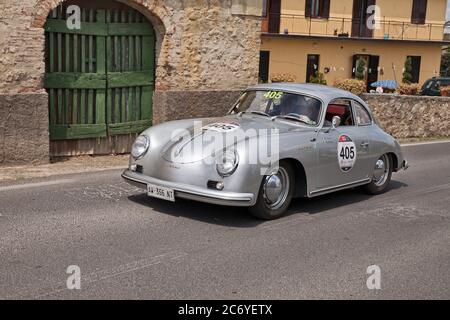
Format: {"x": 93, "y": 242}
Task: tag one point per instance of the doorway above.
{"x": 312, "y": 66}
{"x": 365, "y": 67}
{"x": 99, "y": 78}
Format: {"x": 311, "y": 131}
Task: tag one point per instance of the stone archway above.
{"x": 156, "y": 13}
{"x": 69, "y": 136}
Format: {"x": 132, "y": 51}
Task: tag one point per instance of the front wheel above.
{"x": 381, "y": 176}
{"x": 275, "y": 194}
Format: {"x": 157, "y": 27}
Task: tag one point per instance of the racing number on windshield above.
{"x": 276, "y": 95}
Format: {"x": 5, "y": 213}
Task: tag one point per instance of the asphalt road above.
{"x": 131, "y": 247}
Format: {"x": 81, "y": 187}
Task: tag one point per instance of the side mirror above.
{"x": 336, "y": 122}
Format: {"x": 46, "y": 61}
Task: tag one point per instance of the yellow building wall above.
{"x": 289, "y": 55}
{"x": 395, "y": 19}
{"x": 390, "y": 9}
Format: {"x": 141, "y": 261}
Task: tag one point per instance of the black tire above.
{"x": 374, "y": 189}
{"x": 262, "y": 209}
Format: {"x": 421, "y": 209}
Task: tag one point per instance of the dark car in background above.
{"x": 432, "y": 86}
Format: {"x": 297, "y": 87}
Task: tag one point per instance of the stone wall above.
{"x": 202, "y": 46}
{"x": 194, "y": 104}
{"x": 411, "y": 116}
{"x": 23, "y": 128}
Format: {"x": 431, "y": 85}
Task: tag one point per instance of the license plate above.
{"x": 160, "y": 192}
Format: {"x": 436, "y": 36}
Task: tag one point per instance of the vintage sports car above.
{"x": 320, "y": 140}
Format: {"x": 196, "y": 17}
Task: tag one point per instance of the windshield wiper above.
{"x": 256, "y": 112}
{"x": 291, "y": 118}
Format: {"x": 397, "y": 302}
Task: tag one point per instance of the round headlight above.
{"x": 140, "y": 147}
{"x": 227, "y": 163}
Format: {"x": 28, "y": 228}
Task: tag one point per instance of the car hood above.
{"x": 198, "y": 139}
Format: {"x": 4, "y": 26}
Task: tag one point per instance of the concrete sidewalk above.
{"x": 62, "y": 166}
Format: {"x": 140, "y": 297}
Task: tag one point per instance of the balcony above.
{"x": 352, "y": 28}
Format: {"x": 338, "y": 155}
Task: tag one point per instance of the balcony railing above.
{"x": 352, "y": 28}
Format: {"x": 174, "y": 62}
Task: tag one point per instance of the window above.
{"x": 419, "y": 11}
{"x": 264, "y": 61}
{"x": 274, "y": 12}
{"x": 415, "y": 68}
{"x": 361, "y": 115}
{"x": 317, "y": 8}
{"x": 341, "y": 108}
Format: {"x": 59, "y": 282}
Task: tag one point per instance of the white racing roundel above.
{"x": 346, "y": 153}
{"x": 221, "y": 127}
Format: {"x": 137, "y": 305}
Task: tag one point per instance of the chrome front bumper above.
{"x": 192, "y": 192}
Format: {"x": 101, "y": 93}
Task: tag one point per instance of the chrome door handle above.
{"x": 364, "y": 144}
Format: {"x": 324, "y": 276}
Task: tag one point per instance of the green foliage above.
{"x": 360, "y": 69}
{"x": 445, "y": 63}
{"x": 407, "y": 77}
{"x": 318, "y": 78}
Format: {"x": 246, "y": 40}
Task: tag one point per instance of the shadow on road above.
{"x": 335, "y": 200}
{"x": 209, "y": 213}
{"x": 240, "y": 218}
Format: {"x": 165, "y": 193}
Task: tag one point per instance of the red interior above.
{"x": 336, "y": 110}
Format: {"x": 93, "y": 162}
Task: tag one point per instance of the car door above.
{"x": 342, "y": 152}
{"x": 362, "y": 132}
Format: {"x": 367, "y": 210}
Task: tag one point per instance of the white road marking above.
{"x": 104, "y": 274}
{"x": 36, "y": 185}
{"x": 424, "y": 143}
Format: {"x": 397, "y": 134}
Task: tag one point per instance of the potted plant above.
{"x": 318, "y": 78}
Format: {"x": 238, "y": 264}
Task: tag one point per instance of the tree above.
{"x": 360, "y": 72}
{"x": 407, "y": 76}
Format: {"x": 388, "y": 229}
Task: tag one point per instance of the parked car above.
{"x": 432, "y": 86}
{"x": 327, "y": 141}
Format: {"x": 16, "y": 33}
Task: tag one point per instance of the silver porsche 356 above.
{"x": 278, "y": 142}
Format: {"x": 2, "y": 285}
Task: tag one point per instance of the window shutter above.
{"x": 423, "y": 11}
{"x": 419, "y": 11}
{"x": 308, "y": 8}
{"x": 326, "y": 9}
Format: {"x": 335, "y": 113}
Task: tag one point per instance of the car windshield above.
{"x": 289, "y": 106}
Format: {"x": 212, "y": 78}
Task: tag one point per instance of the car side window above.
{"x": 362, "y": 116}
{"x": 341, "y": 108}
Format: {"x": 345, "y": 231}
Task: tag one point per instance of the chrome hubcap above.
{"x": 381, "y": 172}
{"x": 276, "y": 189}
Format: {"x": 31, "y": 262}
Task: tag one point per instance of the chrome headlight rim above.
{"x": 145, "y": 146}
{"x": 234, "y": 160}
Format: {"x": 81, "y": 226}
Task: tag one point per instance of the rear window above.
{"x": 362, "y": 116}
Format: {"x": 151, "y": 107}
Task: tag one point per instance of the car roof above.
{"x": 439, "y": 78}
{"x": 320, "y": 91}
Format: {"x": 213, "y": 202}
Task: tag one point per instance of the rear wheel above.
{"x": 275, "y": 194}
{"x": 381, "y": 176}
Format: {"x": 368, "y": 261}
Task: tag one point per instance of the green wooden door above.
{"x": 99, "y": 77}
